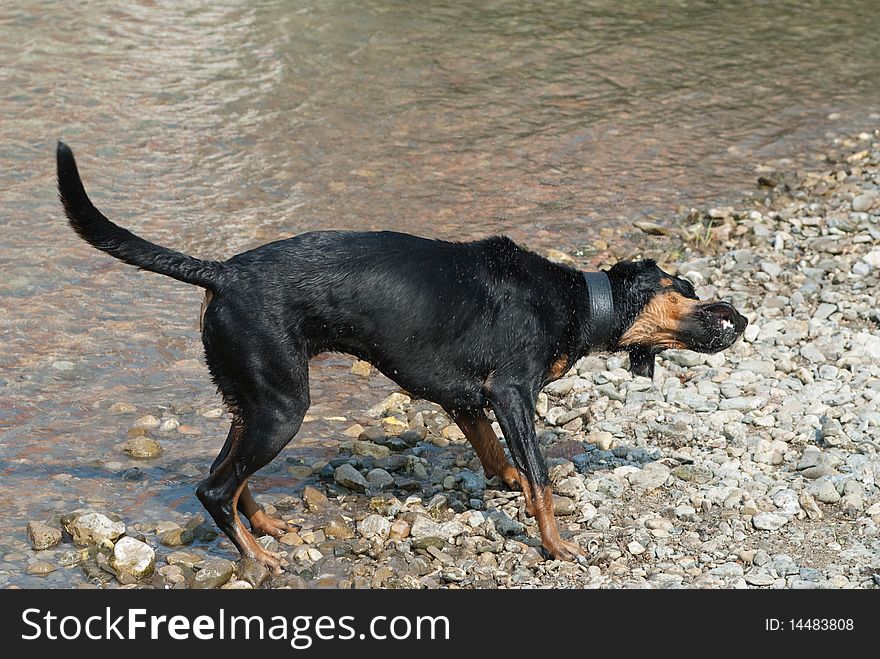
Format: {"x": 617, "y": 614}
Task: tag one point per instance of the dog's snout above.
{"x": 726, "y": 313}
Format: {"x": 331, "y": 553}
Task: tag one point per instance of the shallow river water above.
{"x": 214, "y": 127}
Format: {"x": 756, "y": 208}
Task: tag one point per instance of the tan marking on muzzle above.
{"x": 658, "y": 323}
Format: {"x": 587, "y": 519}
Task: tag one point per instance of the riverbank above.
{"x": 758, "y": 467}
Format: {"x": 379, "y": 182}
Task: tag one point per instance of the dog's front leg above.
{"x": 515, "y": 410}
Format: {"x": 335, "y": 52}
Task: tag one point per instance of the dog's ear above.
{"x": 641, "y": 362}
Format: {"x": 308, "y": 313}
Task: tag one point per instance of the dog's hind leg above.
{"x": 479, "y": 432}
{"x": 260, "y": 522}
{"x": 269, "y": 392}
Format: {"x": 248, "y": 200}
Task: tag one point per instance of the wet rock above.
{"x": 132, "y": 560}
{"x": 177, "y": 537}
{"x": 315, "y": 500}
{"x": 170, "y": 576}
{"x": 169, "y": 425}
{"x": 43, "y": 536}
{"x": 147, "y": 422}
{"x": 338, "y": 528}
{"x": 349, "y": 477}
{"x": 396, "y": 402}
{"x": 369, "y": 449}
{"x": 93, "y": 528}
{"x": 361, "y": 368}
{"x": 142, "y": 447}
{"x": 379, "y": 479}
{"x": 184, "y": 559}
{"x": 40, "y": 568}
{"x": 122, "y": 407}
{"x": 252, "y": 572}
{"x": 213, "y": 573}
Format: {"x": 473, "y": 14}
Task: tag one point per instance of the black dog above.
{"x": 467, "y": 325}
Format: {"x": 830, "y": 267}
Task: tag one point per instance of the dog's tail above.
{"x": 98, "y": 231}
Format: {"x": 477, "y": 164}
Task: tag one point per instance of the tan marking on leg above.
{"x": 247, "y": 544}
{"x": 479, "y": 433}
{"x": 261, "y": 522}
{"x": 560, "y": 549}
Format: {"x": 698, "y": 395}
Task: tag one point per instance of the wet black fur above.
{"x": 466, "y": 325}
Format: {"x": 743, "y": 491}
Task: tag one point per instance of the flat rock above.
{"x": 769, "y": 521}
{"x": 424, "y": 526}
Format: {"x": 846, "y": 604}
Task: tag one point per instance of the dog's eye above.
{"x": 689, "y": 290}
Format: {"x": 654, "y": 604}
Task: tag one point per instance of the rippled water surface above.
{"x": 215, "y": 127}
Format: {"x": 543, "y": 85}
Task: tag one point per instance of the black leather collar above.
{"x": 601, "y": 310}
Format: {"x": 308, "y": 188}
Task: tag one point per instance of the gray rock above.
{"x": 823, "y": 490}
{"x": 471, "y": 482}
{"x": 424, "y": 526}
{"x": 759, "y": 579}
{"x": 213, "y": 573}
{"x": 379, "y": 479}
{"x": 864, "y": 202}
{"x": 253, "y": 572}
{"x": 649, "y": 477}
{"x": 349, "y": 477}
{"x": 563, "y": 506}
{"x": 769, "y": 521}
{"x": 771, "y": 268}
{"x": 504, "y": 524}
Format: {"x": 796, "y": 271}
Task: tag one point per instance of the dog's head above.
{"x": 657, "y": 310}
